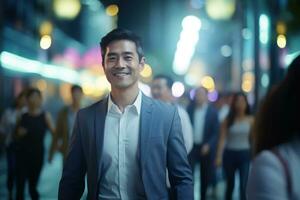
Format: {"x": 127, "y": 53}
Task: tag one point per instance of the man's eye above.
{"x": 128, "y": 58}
{"x": 111, "y": 58}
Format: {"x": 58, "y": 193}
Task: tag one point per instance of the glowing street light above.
{"x": 45, "y": 42}
{"x": 281, "y": 41}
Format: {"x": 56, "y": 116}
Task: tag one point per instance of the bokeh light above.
{"x": 147, "y": 71}
{"x": 226, "y": 51}
{"x": 219, "y": 9}
{"x": 112, "y": 10}
{"x": 45, "y": 42}
{"x": 178, "y": 89}
{"x": 281, "y": 41}
{"x": 66, "y": 9}
{"x": 46, "y": 28}
{"x": 208, "y": 83}
{"x": 212, "y": 96}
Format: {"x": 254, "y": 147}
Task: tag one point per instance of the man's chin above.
{"x": 122, "y": 86}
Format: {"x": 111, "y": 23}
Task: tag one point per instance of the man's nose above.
{"x": 121, "y": 63}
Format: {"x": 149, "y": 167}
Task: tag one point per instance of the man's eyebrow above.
{"x": 112, "y": 54}
{"x": 128, "y": 53}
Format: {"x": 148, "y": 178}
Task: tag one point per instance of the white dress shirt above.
{"x": 187, "y": 129}
{"x": 199, "y": 122}
{"x": 120, "y": 175}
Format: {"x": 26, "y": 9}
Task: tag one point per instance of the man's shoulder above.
{"x": 160, "y": 106}
{"x": 93, "y": 107}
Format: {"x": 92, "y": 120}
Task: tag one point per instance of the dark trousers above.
{"x": 11, "y": 168}
{"x": 28, "y": 169}
{"x": 207, "y": 169}
{"x": 236, "y": 160}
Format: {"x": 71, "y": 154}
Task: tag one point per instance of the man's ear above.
{"x": 142, "y": 63}
{"x": 102, "y": 64}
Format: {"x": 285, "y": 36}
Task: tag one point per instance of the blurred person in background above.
{"x": 275, "y": 170}
{"x": 30, "y": 133}
{"x": 65, "y": 122}
{"x": 7, "y": 127}
{"x": 204, "y": 118}
{"x": 161, "y": 88}
{"x": 234, "y": 138}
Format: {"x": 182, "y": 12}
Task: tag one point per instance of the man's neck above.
{"x": 124, "y": 97}
{"x": 201, "y": 105}
{"x": 240, "y": 115}
{"x": 75, "y": 106}
{"x": 34, "y": 111}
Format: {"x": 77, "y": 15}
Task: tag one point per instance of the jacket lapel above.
{"x": 145, "y": 128}
{"x": 99, "y": 131}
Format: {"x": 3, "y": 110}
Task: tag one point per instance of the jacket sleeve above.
{"x": 180, "y": 173}
{"x": 72, "y": 182}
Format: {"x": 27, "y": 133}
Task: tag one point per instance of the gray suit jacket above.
{"x": 161, "y": 146}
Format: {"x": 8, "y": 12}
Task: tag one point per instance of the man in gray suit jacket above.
{"x": 125, "y": 142}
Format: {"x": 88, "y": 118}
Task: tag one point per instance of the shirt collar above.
{"x": 137, "y": 104}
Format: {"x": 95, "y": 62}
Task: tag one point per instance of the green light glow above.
{"x": 17, "y": 63}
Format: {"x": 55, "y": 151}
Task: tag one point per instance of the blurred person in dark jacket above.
{"x": 205, "y": 122}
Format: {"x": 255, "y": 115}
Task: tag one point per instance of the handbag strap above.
{"x": 286, "y": 170}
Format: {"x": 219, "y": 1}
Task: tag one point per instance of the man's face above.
{"x": 121, "y": 65}
{"x": 34, "y": 100}
{"x": 76, "y": 96}
{"x": 160, "y": 90}
{"x": 201, "y": 96}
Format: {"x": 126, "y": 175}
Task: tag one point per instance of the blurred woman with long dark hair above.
{"x": 275, "y": 171}
{"x": 234, "y": 141}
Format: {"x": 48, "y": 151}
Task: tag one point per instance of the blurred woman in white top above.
{"x": 234, "y": 146}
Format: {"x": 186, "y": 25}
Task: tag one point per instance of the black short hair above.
{"x": 121, "y": 34}
{"x": 168, "y": 79}
{"x": 75, "y": 87}
{"x": 31, "y": 91}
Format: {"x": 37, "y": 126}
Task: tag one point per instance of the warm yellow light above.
{"x": 88, "y": 89}
{"x": 281, "y": 28}
{"x": 41, "y": 85}
{"x": 102, "y": 84}
{"x": 66, "y": 9}
{"x": 247, "y": 81}
{"x": 248, "y": 76}
{"x": 281, "y": 41}
{"x": 208, "y": 83}
{"x": 247, "y": 86}
{"x": 64, "y": 91}
{"x": 46, "y": 28}
{"x": 147, "y": 71}
{"x": 220, "y": 9}
{"x": 112, "y": 10}
{"x": 45, "y": 42}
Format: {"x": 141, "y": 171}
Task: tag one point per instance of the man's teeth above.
{"x": 121, "y": 73}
